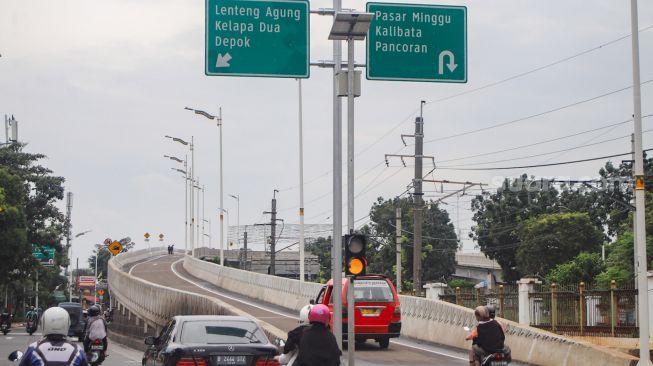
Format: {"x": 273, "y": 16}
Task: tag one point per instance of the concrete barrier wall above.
{"x": 156, "y": 305}
{"x": 423, "y": 319}
{"x": 285, "y": 292}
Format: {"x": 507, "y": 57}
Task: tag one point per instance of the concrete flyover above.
{"x": 424, "y": 320}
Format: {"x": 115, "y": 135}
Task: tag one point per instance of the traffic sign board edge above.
{"x": 308, "y": 44}
{"x": 367, "y": 40}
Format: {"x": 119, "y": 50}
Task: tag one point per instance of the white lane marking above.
{"x": 172, "y": 267}
{"x": 149, "y": 260}
{"x": 9, "y": 338}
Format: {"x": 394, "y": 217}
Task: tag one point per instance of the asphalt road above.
{"x": 168, "y": 271}
{"x": 18, "y": 339}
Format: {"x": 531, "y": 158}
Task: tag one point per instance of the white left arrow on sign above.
{"x": 223, "y": 61}
{"x": 451, "y": 65}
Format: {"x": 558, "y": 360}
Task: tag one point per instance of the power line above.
{"x": 521, "y": 119}
{"x": 544, "y": 154}
{"x": 538, "y": 68}
{"x": 545, "y": 165}
{"x": 542, "y": 142}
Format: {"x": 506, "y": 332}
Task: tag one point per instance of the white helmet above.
{"x": 303, "y": 313}
{"x": 55, "y": 320}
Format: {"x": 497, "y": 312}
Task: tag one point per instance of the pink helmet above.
{"x": 319, "y": 313}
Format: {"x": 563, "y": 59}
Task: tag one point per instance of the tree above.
{"x": 103, "y": 256}
{"x": 16, "y": 254}
{"x": 550, "y": 239}
{"x": 438, "y": 236}
{"x": 321, "y": 247}
{"x": 583, "y": 268}
{"x": 497, "y": 216}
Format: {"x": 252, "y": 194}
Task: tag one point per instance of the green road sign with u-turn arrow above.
{"x": 267, "y": 38}
{"x": 409, "y": 42}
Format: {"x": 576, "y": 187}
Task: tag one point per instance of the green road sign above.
{"x": 257, "y": 38}
{"x": 45, "y": 254}
{"x": 417, "y": 43}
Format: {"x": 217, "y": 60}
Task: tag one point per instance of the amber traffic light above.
{"x": 355, "y": 248}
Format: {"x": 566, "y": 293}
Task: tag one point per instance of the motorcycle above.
{"x": 5, "y": 328}
{"x": 494, "y": 359}
{"x": 96, "y": 353}
{"x": 30, "y": 326}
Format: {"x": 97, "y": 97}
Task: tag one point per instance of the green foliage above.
{"x": 460, "y": 283}
{"x": 550, "y": 239}
{"x": 439, "y": 241}
{"x": 497, "y": 215}
{"x": 321, "y": 247}
{"x": 583, "y": 268}
{"x": 103, "y": 256}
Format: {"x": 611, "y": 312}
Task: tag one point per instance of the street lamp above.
{"x": 70, "y": 259}
{"x": 218, "y": 120}
{"x": 185, "y": 173}
{"x": 200, "y": 218}
{"x": 349, "y": 26}
{"x": 237, "y": 198}
{"x": 191, "y": 175}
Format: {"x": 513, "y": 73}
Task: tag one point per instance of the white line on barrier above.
{"x": 172, "y": 267}
{"x": 149, "y": 260}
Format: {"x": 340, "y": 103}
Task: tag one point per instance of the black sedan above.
{"x": 210, "y": 340}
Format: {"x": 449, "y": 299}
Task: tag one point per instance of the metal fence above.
{"x": 578, "y": 310}
{"x": 504, "y": 297}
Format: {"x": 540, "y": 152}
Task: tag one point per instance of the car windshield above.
{"x": 221, "y": 332}
{"x": 373, "y": 290}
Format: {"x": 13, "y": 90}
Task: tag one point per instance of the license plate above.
{"x": 498, "y": 363}
{"x": 229, "y": 360}
{"x": 97, "y": 347}
{"x": 370, "y": 312}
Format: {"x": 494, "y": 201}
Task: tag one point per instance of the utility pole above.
{"x": 69, "y": 209}
{"x": 244, "y": 265}
{"x": 398, "y": 251}
{"x": 417, "y": 200}
{"x": 417, "y": 195}
{"x": 640, "y": 192}
{"x": 273, "y": 229}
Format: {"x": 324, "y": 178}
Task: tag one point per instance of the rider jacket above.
{"x": 53, "y": 353}
{"x": 318, "y": 347}
{"x": 490, "y": 336}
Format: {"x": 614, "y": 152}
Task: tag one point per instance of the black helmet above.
{"x": 492, "y": 310}
{"x": 94, "y": 310}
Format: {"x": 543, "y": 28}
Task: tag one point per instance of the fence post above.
{"x": 581, "y": 303}
{"x": 478, "y": 297}
{"x": 526, "y": 286}
{"x": 554, "y": 307}
{"x": 501, "y": 301}
{"x": 458, "y": 296}
{"x": 613, "y": 311}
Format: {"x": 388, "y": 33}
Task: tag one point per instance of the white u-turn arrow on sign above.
{"x": 451, "y": 65}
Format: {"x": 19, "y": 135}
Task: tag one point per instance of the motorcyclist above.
{"x": 5, "y": 317}
{"x": 318, "y": 346}
{"x": 96, "y": 328}
{"x": 32, "y": 314}
{"x": 54, "y": 348}
{"x": 294, "y": 337}
{"x": 489, "y": 336}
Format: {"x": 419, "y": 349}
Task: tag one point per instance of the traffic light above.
{"x": 355, "y": 261}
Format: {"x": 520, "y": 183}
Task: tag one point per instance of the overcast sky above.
{"x": 95, "y": 85}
